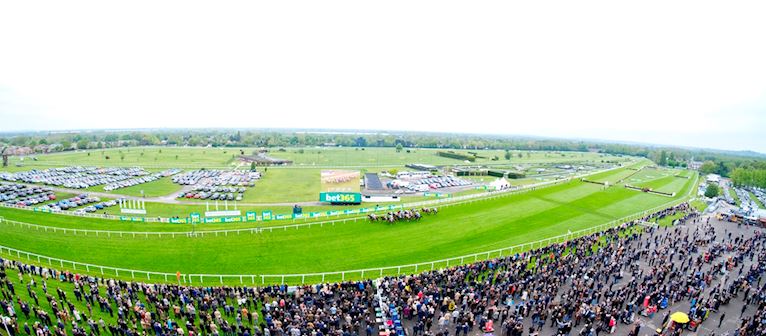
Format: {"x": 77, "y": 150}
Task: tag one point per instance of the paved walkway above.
{"x": 649, "y": 325}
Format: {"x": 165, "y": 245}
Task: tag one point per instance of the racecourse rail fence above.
{"x": 193, "y": 232}
{"x": 251, "y": 230}
{"x": 264, "y": 279}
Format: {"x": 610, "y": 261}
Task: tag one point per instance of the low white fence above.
{"x": 439, "y": 201}
{"x": 201, "y": 279}
{"x": 192, "y": 232}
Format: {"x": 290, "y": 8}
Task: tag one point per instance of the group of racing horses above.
{"x": 402, "y": 215}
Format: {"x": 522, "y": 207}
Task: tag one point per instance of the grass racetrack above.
{"x": 455, "y": 231}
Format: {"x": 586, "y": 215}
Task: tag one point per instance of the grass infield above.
{"x": 455, "y": 231}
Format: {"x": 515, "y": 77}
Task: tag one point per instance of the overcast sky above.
{"x": 679, "y": 73}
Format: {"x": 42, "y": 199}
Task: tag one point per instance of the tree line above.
{"x": 752, "y": 174}
{"x": 716, "y": 161}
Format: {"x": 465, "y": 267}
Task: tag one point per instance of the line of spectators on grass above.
{"x": 586, "y": 286}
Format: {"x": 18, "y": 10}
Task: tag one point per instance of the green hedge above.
{"x": 458, "y": 156}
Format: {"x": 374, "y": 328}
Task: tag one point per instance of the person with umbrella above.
{"x": 677, "y": 321}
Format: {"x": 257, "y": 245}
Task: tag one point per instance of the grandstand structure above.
{"x": 372, "y": 182}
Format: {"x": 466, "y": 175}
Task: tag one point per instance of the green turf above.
{"x": 649, "y": 174}
{"x": 158, "y": 157}
{"x": 296, "y": 183}
{"x": 198, "y": 157}
{"x": 81, "y": 306}
{"x": 285, "y": 185}
{"x": 183, "y": 210}
{"x": 612, "y": 177}
{"x": 735, "y": 197}
{"x": 698, "y": 204}
{"x": 668, "y": 184}
{"x": 455, "y": 231}
{"x": 668, "y": 220}
{"x": 756, "y": 200}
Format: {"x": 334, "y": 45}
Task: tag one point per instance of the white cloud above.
{"x": 688, "y": 73}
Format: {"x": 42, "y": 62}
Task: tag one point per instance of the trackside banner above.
{"x": 340, "y": 197}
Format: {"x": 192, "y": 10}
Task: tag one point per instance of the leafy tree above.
{"x": 82, "y": 144}
{"x": 749, "y": 176}
{"x": 711, "y": 190}
{"x": 708, "y": 167}
{"x": 722, "y": 169}
{"x": 398, "y": 148}
{"x": 252, "y": 166}
{"x": 663, "y": 158}
{"x": 507, "y": 154}
{"x": 361, "y": 142}
{"x": 20, "y": 141}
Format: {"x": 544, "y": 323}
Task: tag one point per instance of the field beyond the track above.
{"x": 455, "y": 231}
{"x": 333, "y": 157}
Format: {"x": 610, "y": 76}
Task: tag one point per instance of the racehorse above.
{"x": 402, "y": 215}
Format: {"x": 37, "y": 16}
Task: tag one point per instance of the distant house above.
{"x": 695, "y": 165}
{"x": 19, "y": 150}
{"x": 127, "y": 143}
{"x": 42, "y": 149}
{"x": 713, "y": 178}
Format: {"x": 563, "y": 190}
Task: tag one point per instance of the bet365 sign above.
{"x": 339, "y": 197}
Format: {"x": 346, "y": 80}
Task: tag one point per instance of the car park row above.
{"x": 428, "y": 183}
{"x": 194, "y": 176}
{"x": 91, "y": 204}
{"x": 215, "y": 193}
{"x": 25, "y": 195}
{"x": 141, "y": 180}
{"x": 22, "y": 195}
{"x": 218, "y": 178}
{"x": 75, "y": 177}
{"x": 217, "y": 184}
{"x": 746, "y": 202}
